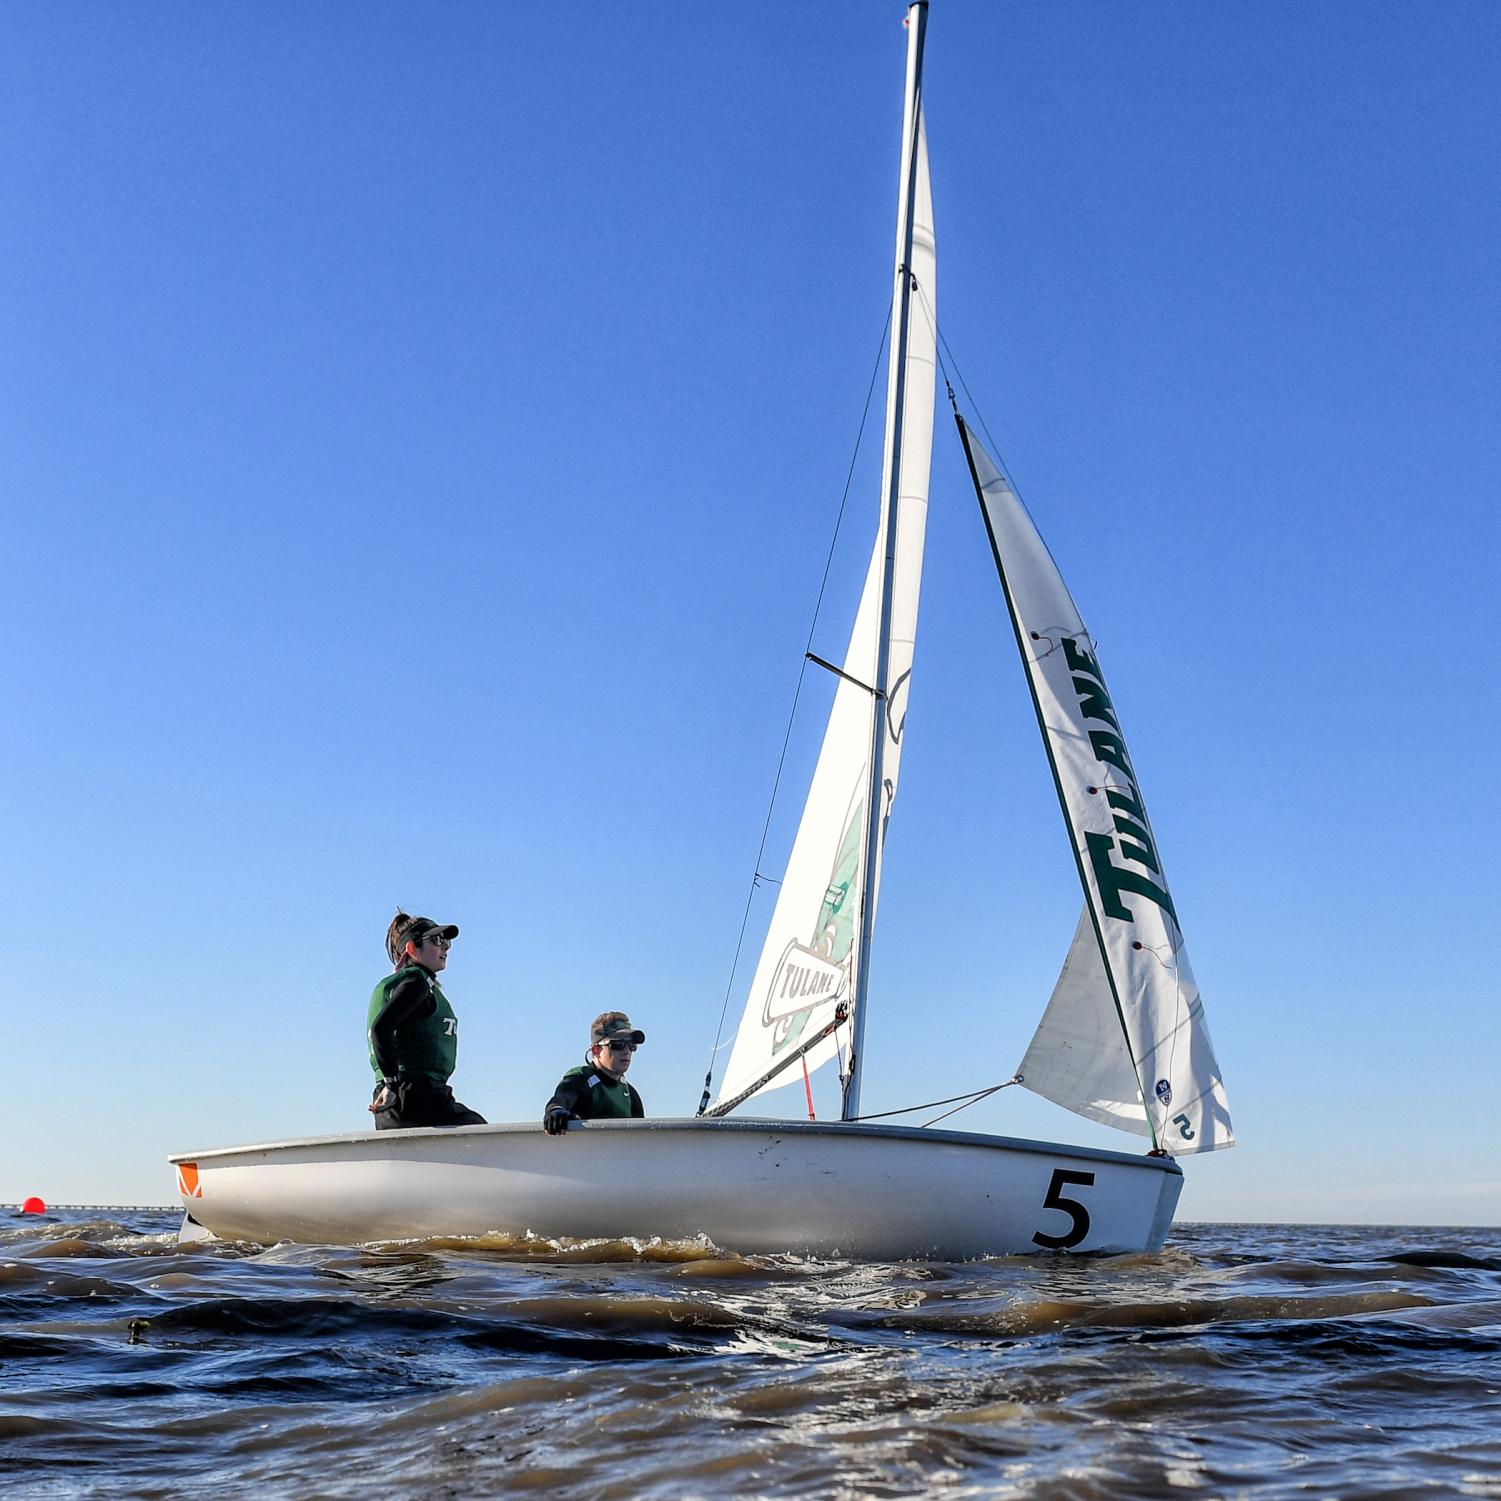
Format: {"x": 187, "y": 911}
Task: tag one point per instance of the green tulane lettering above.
{"x": 1136, "y": 844}
{"x": 1112, "y": 880}
{"x": 1094, "y": 699}
{"x": 1110, "y": 748}
{"x": 1080, "y": 660}
{"x": 1133, "y": 826}
{"x": 1094, "y": 702}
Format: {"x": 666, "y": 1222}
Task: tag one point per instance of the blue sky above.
{"x": 421, "y": 433}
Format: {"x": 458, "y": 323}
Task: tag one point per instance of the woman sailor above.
{"x": 413, "y": 1033}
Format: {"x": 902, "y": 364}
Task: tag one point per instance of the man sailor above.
{"x": 597, "y": 1088}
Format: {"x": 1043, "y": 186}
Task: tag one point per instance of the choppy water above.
{"x": 1257, "y": 1361}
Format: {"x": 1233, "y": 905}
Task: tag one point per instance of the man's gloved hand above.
{"x": 555, "y": 1122}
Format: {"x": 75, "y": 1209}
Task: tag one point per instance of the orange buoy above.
{"x": 33, "y": 1205}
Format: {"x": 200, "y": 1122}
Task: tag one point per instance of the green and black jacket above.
{"x": 591, "y": 1095}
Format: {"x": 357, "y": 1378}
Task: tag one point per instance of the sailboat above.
{"x": 1122, "y": 1039}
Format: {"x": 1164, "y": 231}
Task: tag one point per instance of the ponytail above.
{"x": 396, "y": 936}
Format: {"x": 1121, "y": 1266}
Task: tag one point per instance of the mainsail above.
{"x": 807, "y": 965}
{"x": 1123, "y": 1039}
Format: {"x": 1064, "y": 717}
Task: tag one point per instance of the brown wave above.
{"x": 530, "y": 1247}
{"x": 1044, "y": 1316}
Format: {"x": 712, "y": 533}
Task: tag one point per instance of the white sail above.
{"x": 806, "y": 969}
{"x": 1127, "y": 969}
{"x": 1078, "y": 1057}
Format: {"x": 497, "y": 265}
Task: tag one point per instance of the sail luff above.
{"x": 876, "y": 798}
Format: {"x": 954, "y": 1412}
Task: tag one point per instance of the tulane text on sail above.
{"x": 1128, "y": 816}
{"x": 802, "y": 980}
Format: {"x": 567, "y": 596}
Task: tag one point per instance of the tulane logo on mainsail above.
{"x": 1132, "y": 839}
{"x": 801, "y": 981}
{"x": 809, "y": 974}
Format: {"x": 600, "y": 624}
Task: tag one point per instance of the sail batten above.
{"x": 1123, "y": 1039}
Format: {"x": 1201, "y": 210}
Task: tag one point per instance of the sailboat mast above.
{"x": 896, "y": 390}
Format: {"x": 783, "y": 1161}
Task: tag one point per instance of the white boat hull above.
{"x": 876, "y": 1193}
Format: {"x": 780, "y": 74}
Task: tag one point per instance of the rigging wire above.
{"x": 757, "y": 878}
{"x": 972, "y": 1098}
{"x": 943, "y": 346}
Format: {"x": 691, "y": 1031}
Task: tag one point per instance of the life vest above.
{"x": 608, "y": 1099}
{"x": 427, "y": 1043}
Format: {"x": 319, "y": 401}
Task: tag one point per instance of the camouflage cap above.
{"x": 615, "y": 1024}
